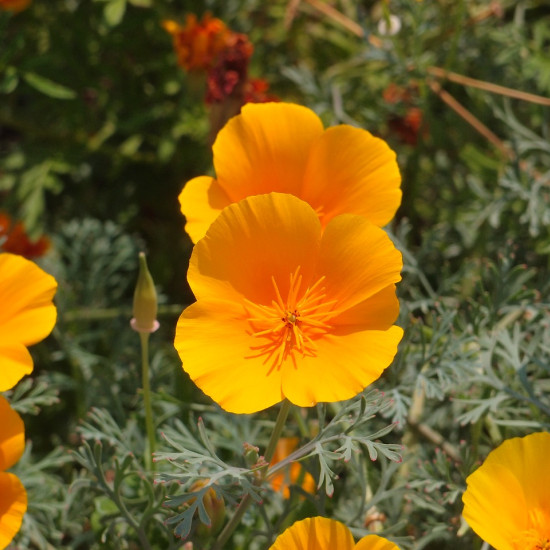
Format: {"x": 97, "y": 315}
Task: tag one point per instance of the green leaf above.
{"x": 141, "y": 3}
{"x": 9, "y": 81}
{"x": 114, "y": 12}
{"x": 48, "y": 87}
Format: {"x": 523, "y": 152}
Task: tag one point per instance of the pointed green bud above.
{"x": 145, "y": 300}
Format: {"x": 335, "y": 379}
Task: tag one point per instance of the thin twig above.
{"x": 488, "y": 86}
{"x": 471, "y": 119}
{"x": 290, "y": 12}
{"x": 344, "y": 21}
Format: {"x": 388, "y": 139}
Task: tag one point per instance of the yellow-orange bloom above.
{"x": 287, "y": 310}
{"x": 507, "y": 501}
{"x": 326, "y": 534}
{"x": 14, "y": 5}
{"x": 13, "y": 497}
{"x": 294, "y": 474}
{"x": 197, "y": 43}
{"x": 27, "y": 315}
{"x": 283, "y": 147}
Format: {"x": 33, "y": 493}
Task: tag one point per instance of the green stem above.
{"x": 144, "y": 337}
{"x": 277, "y": 430}
{"x": 247, "y": 500}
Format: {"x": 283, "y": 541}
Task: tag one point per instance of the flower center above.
{"x": 290, "y": 326}
{"x": 538, "y": 536}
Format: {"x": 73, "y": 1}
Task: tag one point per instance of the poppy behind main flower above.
{"x": 13, "y": 497}
{"x": 286, "y": 310}
{"x": 27, "y": 315}
{"x": 294, "y": 473}
{"x": 282, "y": 147}
{"x": 326, "y": 534}
{"x": 507, "y": 501}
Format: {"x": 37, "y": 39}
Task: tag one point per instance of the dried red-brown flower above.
{"x": 229, "y": 75}
{"x": 14, "y": 239}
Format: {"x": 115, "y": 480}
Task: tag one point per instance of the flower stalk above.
{"x": 247, "y": 500}
{"x": 145, "y": 322}
{"x": 149, "y": 426}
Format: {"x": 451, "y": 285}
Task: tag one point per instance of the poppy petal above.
{"x": 351, "y": 171}
{"x": 26, "y": 292}
{"x": 201, "y": 200}
{"x": 344, "y": 364}
{"x": 378, "y": 312}
{"x": 252, "y": 243}
{"x": 374, "y": 542}
{"x": 12, "y": 435}
{"x": 506, "y": 501}
{"x": 265, "y": 149}
{"x": 16, "y": 363}
{"x": 315, "y": 534}
{"x": 214, "y": 342}
{"x": 358, "y": 260}
{"x": 13, "y": 505}
{"x": 498, "y": 525}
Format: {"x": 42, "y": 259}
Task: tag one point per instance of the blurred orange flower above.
{"x": 326, "y": 534}
{"x": 294, "y": 474}
{"x": 27, "y": 315}
{"x": 13, "y": 497}
{"x": 295, "y": 312}
{"x": 198, "y": 43}
{"x": 507, "y": 500}
{"x": 14, "y": 5}
{"x": 256, "y": 91}
{"x": 283, "y": 147}
{"x": 14, "y": 239}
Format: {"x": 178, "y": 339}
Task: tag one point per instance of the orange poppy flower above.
{"x": 507, "y": 501}
{"x": 326, "y": 534}
{"x": 13, "y": 497}
{"x": 294, "y": 473}
{"x": 27, "y": 315}
{"x": 286, "y": 310}
{"x": 14, "y": 5}
{"x": 197, "y": 43}
{"x": 283, "y": 147}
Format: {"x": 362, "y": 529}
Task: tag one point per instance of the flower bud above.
{"x": 215, "y": 508}
{"x": 145, "y": 300}
{"x": 251, "y": 454}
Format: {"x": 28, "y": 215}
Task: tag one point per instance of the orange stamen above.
{"x": 290, "y": 326}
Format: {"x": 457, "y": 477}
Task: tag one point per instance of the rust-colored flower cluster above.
{"x": 14, "y": 5}
{"x": 209, "y": 48}
{"x": 14, "y": 239}
{"x": 198, "y": 43}
{"x": 407, "y": 126}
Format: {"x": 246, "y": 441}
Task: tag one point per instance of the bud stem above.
{"x": 144, "y": 338}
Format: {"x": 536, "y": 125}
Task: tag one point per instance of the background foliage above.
{"x": 99, "y": 128}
